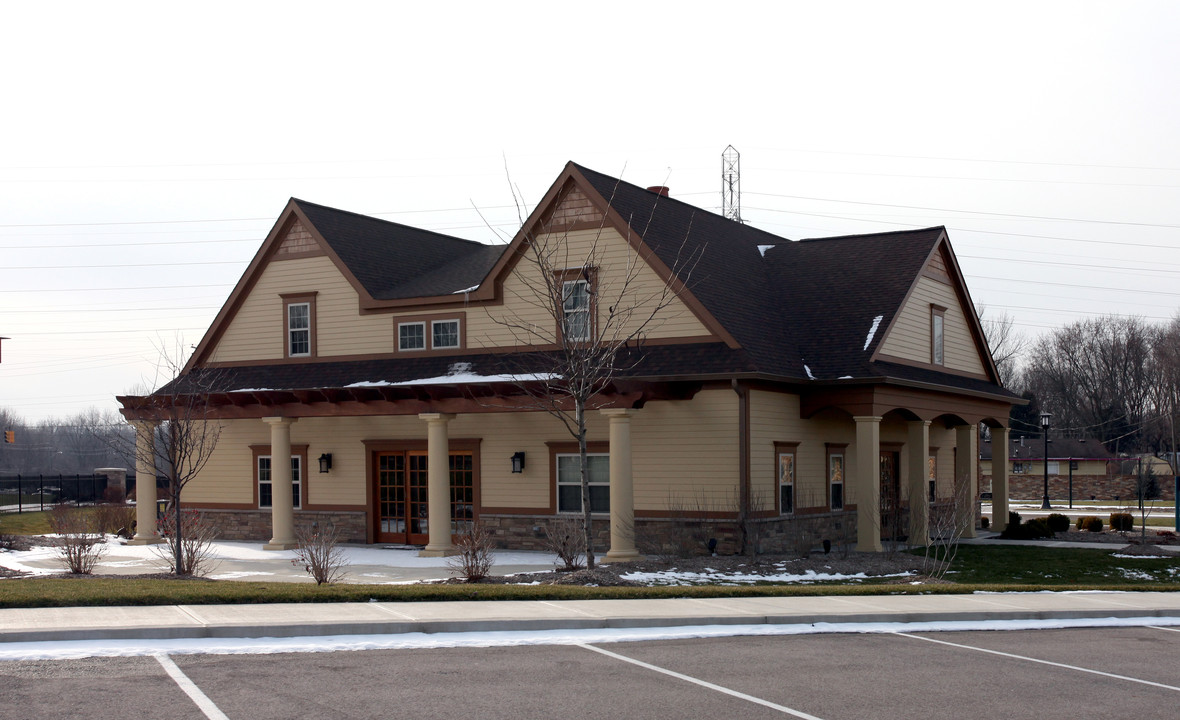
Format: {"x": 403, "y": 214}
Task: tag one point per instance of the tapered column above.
{"x": 966, "y": 442}
{"x": 146, "y": 532}
{"x": 622, "y": 488}
{"x": 868, "y": 483}
{"x": 999, "y": 479}
{"x": 438, "y": 480}
{"x": 282, "y": 502}
{"x": 918, "y": 444}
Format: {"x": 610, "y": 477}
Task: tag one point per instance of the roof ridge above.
{"x": 301, "y": 202}
{"x": 911, "y": 231}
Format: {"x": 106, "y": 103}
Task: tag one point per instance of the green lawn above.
{"x": 26, "y": 523}
{"x": 978, "y": 568}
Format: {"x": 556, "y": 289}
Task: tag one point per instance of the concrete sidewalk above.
{"x": 320, "y": 619}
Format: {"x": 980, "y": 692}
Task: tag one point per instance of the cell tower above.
{"x": 731, "y": 184}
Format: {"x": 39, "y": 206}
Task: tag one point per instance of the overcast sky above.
{"x": 147, "y": 149}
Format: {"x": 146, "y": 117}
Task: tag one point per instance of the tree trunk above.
{"x": 588, "y": 528}
{"x": 177, "y": 537}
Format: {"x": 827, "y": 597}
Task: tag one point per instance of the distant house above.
{"x": 1084, "y": 465}
{"x": 806, "y": 379}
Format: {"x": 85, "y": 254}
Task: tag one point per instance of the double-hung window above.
{"x": 299, "y": 329}
{"x": 265, "y": 485}
{"x": 937, "y": 322}
{"x": 932, "y": 476}
{"x": 836, "y": 480}
{"x": 575, "y": 310}
{"x": 786, "y": 482}
{"x": 569, "y": 482}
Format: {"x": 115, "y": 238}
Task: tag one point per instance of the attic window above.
{"x": 575, "y": 297}
{"x": 937, "y": 321}
{"x": 299, "y": 325}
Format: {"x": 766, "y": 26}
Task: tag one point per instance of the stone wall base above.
{"x": 254, "y": 525}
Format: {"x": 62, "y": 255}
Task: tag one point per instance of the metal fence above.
{"x": 27, "y": 493}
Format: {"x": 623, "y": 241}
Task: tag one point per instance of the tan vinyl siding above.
{"x": 679, "y": 449}
{"x": 774, "y": 417}
{"x": 256, "y": 332}
{"x": 909, "y": 337}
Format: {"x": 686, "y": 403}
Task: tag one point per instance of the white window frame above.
{"x": 836, "y": 459}
{"x": 296, "y": 480}
{"x": 421, "y": 325}
{"x": 576, "y": 481}
{"x": 568, "y": 313}
{"x": 294, "y": 332}
{"x": 786, "y": 481}
{"x": 434, "y": 334}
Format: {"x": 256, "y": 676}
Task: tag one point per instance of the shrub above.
{"x": 1057, "y": 522}
{"x": 1013, "y": 518}
{"x": 78, "y": 541}
{"x": 318, "y": 550}
{"x": 115, "y": 519}
{"x": 1039, "y": 528}
{"x": 985, "y": 522}
{"x": 1122, "y": 521}
{"x": 565, "y": 538}
{"x": 1031, "y": 530}
{"x": 475, "y": 558}
{"x": 1092, "y": 524}
{"x": 197, "y": 534}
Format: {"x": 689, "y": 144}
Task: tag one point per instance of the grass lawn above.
{"x": 26, "y": 523}
{"x": 1008, "y": 568}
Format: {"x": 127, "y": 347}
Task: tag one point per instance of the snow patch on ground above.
{"x": 335, "y": 643}
{"x": 712, "y": 577}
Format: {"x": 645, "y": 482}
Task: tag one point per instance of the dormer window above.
{"x": 444, "y": 334}
{"x": 411, "y": 336}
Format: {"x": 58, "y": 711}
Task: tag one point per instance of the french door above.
{"x": 402, "y": 495}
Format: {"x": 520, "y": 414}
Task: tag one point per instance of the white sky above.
{"x": 146, "y": 149}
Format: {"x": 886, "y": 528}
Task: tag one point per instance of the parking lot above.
{"x": 1107, "y": 672}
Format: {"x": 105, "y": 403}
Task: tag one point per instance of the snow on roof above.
{"x": 458, "y": 379}
{"x": 808, "y": 371}
{"x": 873, "y": 331}
{"x": 464, "y": 291}
{"x": 763, "y": 248}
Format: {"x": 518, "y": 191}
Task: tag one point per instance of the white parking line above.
{"x": 702, "y": 683}
{"x": 1169, "y": 629}
{"x": 1042, "y": 662}
{"x": 190, "y": 688}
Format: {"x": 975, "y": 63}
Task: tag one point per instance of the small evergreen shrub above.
{"x": 1039, "y": 528}
{"x": 1092, "y": 524}
{"x": 1013, "y": 518}
{"x": 1058, "y": 522}
{"x": 985, "y": 523}
{"x": 1122, "y": 522}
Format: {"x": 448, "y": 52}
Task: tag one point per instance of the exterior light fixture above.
{"x": 325, "y": 462}
{"x": 518, "y": 461}
{"x": 1045, "y": 418}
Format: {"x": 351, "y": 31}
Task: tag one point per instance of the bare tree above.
{"x": 1007, "y": 345}
{"x": 582, "y": 317}
{"x": 182, "y": 442}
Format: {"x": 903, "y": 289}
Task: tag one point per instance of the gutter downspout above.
{"x": 743, "y": 509}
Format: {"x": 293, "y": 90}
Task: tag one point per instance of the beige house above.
{"x": 773, "y": 381}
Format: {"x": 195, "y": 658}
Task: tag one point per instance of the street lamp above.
{"x": 1045, "y": 431}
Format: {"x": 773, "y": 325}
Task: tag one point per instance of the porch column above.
{"x": 966, "y": 471}
{"x": 145, "y": 486}
{"x": 868, "y": 483}
{"x": 918, "y": 442}
{"x": 438, "y": 480}
{"x": 622, "y": 492}
{"x": 282, "y": 511}
{"x": 999, "y": 479}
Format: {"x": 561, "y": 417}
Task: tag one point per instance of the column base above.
{"x": 429, "y": 551}
{"x": 272, "y": 545}
{"x": 137, "y": 540}
{"x": 870, "y": 546}
{"x": 621, "y": 556}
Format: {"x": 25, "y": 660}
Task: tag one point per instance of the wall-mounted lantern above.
{"x": 518, "y": 461}
{"x": 325, "y": 462}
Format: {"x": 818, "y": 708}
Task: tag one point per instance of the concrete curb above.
{"x": 316, "y": 620}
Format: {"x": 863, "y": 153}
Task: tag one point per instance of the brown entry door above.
{"x": 403, "y": 492}
{"x": 891, "y": 505}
